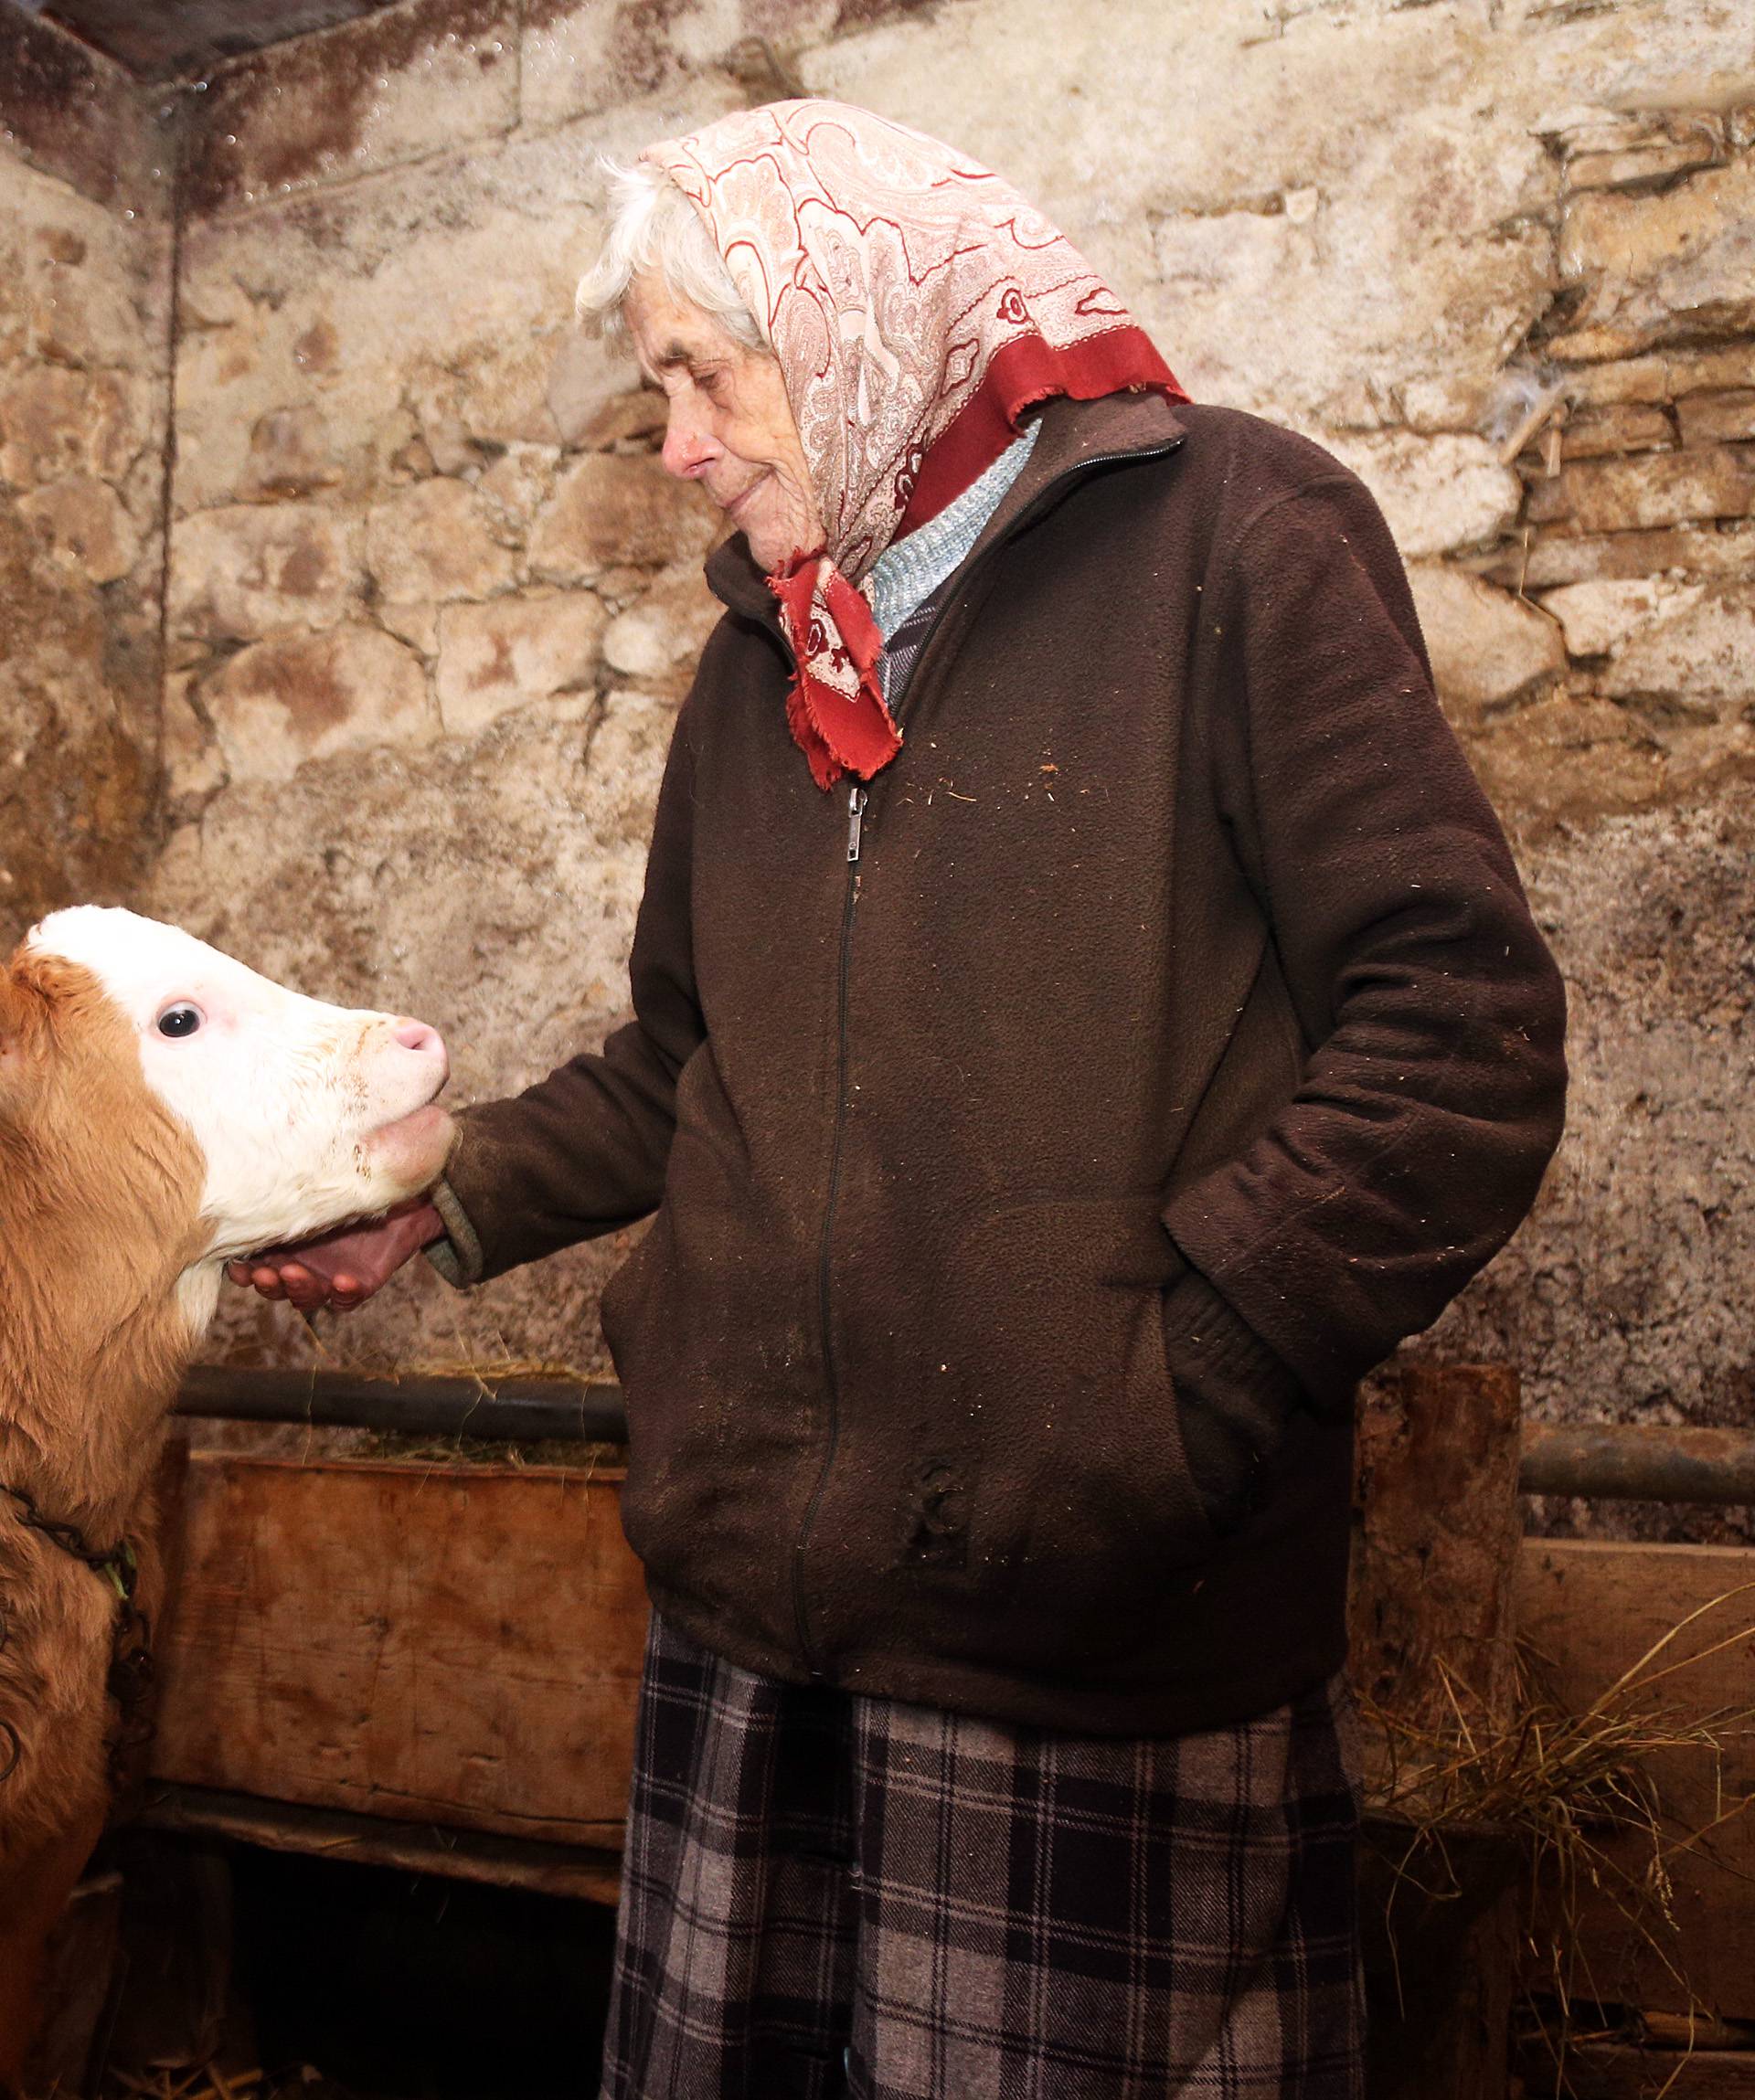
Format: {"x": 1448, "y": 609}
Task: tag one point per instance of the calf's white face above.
{"x": 308, "y": 1116}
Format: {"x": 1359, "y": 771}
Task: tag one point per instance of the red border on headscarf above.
{"x": 1022, "y": 372}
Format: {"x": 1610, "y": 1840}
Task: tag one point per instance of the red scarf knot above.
{"x": 835, "y": 709}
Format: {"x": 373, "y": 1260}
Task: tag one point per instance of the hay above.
{"x": 483, "y": 1371}
{"x": 202, "y": 2082}
{"x": 1567, "y": 1789}
{"x": 460, "y": 1451}
{"x": 209, "y": 2081}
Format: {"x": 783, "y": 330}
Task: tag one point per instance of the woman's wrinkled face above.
{"x": 730, "y": 425}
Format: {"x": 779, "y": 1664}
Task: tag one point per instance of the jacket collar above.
{"x": 1075, "y": 434}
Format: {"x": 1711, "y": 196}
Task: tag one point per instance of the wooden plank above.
{"x": 1436, "y": 1536}
{"x": 1589, "y": 1610}
{"x": 1616, "y": 2071}
{"x": 78, "y": 1981}
{"x": 333, "y": 1833}
{"x": 452, "y": 1644}
{"x": 1594, "y": 1608}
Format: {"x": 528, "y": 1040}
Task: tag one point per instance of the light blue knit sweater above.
{"x": 910, "y": 570}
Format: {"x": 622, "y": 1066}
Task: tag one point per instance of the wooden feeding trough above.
{"x": 428, "y": 1656}
{"x": 428, "y": 1662}
{"x": 434, "y": 1659}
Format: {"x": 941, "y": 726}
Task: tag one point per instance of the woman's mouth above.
{"x": 734, "y": 503}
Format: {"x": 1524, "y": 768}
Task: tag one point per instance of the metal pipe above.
{"x": 1622, "y": 1462}
{"x": 1605, "y": 1461}
{"x": 498, "y": 1410}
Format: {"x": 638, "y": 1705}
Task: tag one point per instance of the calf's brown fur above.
{"x": 100, "y": 1199}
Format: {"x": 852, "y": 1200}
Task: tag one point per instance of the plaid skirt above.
{"x": 830, "y": 1895}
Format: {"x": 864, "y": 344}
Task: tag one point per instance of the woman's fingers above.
{"x": 293, "y": 1282}
{"x": 307, "y": 1284}
{"x": 340, "y": 1271}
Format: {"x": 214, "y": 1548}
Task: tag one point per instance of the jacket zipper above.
{"x": 824, "y": 1311}
{"x": 858, "y": 799}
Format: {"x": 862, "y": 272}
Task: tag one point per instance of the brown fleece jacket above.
{"x": 1032, "y": 1190}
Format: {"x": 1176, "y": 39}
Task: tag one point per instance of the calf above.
{"x": 161, "y": 1110}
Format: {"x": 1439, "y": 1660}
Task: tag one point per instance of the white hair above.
{"x": 653, "y": 226}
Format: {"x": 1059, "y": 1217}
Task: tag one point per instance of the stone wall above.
{"x": 430, "y": 601}
{"x": 85, "y": 254}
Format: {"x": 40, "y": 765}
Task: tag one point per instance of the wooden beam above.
{"x": 1618, "y": 2070}
{"x": 1436, "y": 1537}
{"x": 591, "y": 1873}
{"x": 1435, "y": 1544}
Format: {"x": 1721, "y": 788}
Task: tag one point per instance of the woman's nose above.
{"x": 687, "y": 447}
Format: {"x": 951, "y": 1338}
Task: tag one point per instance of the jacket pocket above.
{"x": 1049, "y": 1369}
{"x": 707, "y": 1326}
{"x": 1236, "y": 1400}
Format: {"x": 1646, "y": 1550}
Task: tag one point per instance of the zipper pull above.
{"x": 855, "y": 812}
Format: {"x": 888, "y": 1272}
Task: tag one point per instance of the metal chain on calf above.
{"x": 130, "y": 1674}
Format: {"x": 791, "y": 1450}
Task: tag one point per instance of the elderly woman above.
{"x": 1085, "y": 1015}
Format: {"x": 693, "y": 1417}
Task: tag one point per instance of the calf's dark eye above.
{"x": 180, "y": 1020}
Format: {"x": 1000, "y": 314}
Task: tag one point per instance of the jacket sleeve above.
{"x": 1431, "y": 1095}
{"x": 584, "y": 1151}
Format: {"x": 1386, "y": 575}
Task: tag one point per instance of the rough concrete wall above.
{"x": 85, "y": 251}
{"x": 431, "y": 602}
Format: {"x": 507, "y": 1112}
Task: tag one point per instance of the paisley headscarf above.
{"x": 918, "y": 306}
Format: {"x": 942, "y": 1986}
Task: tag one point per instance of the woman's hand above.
{"x": 340, "y": 1271}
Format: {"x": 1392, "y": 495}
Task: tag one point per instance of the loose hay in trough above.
{"x": 204, "y": 2082}
{"x": 1461, "y": 1807}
